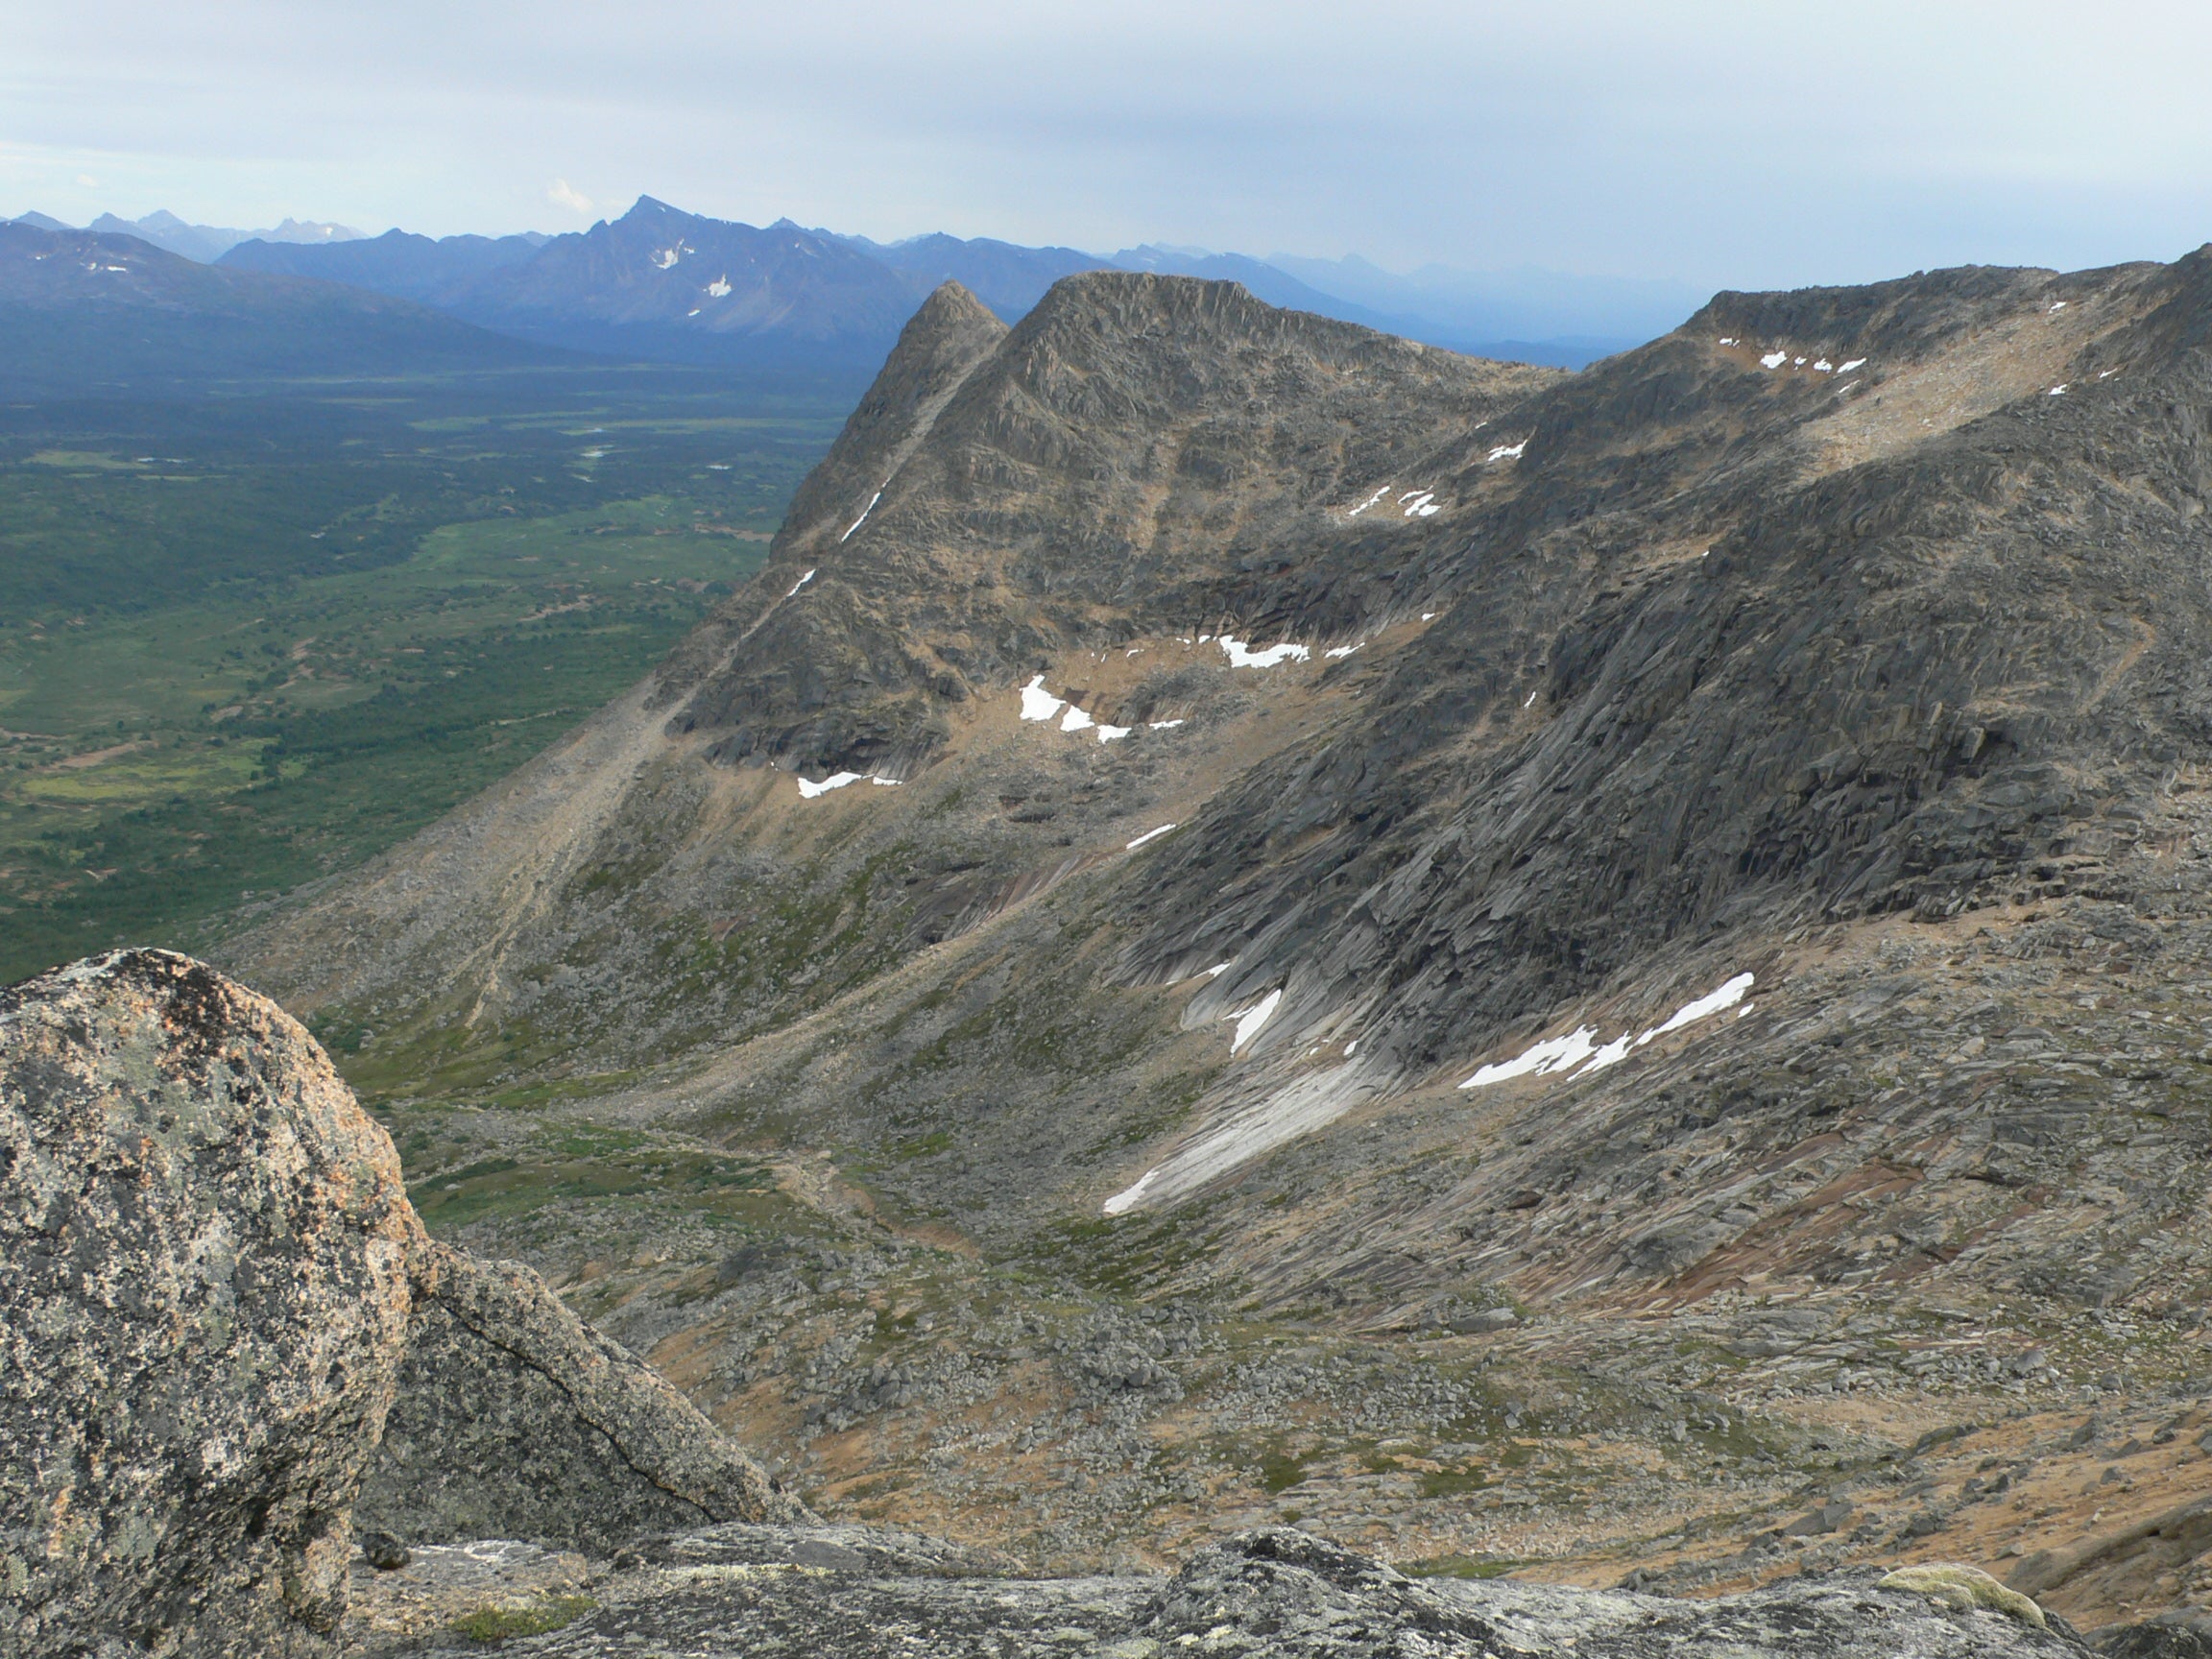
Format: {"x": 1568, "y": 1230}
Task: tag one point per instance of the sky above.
{"x": 1723, "y": 143}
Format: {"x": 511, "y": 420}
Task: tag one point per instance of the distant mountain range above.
{"x": 204, "y": 243}
{"x": 662, "y": 283}
{"x": 86, "y": 313}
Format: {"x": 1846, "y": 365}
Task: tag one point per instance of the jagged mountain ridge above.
{"x": 1076, "y": 489}
{"x": 786, "y": 295}
{"x": 1515, "y": 808}
{"x": 1849, "y": 638}
{"x": 81, "y": 311}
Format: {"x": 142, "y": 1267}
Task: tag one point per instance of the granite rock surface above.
{"x": 204, "y": 1304}
{"x": 1277, "y": 1592}
{"x": 217, "y": 1301}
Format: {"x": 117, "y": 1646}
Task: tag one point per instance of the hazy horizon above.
{"x": 1723, "y": 144}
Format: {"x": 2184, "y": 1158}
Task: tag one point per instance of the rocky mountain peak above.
{"x": 1114, "y": 463}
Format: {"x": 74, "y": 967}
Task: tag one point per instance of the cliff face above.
{"x": 1217, "y": 805}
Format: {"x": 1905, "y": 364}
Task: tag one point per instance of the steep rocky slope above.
{"x": 1464, "y": 951}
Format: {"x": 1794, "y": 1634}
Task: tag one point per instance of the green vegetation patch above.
{"x": 369, "y": 603}
{"x": 1460, "y": 1567}
{"x": 691, "y": 1178}
{"x": 532, "y": 1618}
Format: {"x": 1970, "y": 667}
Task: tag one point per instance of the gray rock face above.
{"x": 204, "y": 1300}
{"x": 214, "y": 1289}
{"x": 1280, "y": 1593}
{"x": 1134, "y": 455}
{"x": 515, "y": 1419}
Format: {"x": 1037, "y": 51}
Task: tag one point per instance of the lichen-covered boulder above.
{"x": 216, "y": 1302}
{"x": 205, "y": 1249}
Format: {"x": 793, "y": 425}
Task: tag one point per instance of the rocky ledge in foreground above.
{"x": 855, "y": 1593}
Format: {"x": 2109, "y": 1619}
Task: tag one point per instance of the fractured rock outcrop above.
{"x": 515, "y": 1419}
{"x": 214, "y": 1295}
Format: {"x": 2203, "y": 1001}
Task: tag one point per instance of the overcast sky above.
{"x": 1723, "y": 142}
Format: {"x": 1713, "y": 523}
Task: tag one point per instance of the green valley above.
{"x": 247, "y": 644}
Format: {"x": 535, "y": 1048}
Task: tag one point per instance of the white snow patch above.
{"x": 1220, "y": 968}
{"x": 1552, "y": 1054}
{"x": 1508, "y": 451}
{"x": 719, "y": 288}
{"x": 1612, "y": 1054}
{"x": 1241, "y": 655}
{"x": 862, "y": 519}
{"x": 1113, "y": 734}
{"x": 2108, "y": 374}
{"x": 1727, "y": 339}
{"x": 693, "y": 312}
{"x": 1127, "y": 1198}
{"x": 1350, "y": 1047}
{"x": 1149, "y": 835}
{"x": 1420, "y": 500}
{"x": 1531, "y": 703}
{"x": 2057, "y": 391}
{"x": 1164, "y": 724}
{"x": 1773, "y": 359}
{"x": 1248, "y": 1022}
{"x": 1342, "y": 650}
{"x": 1824, "y": 367}
{"x": 2061, "y": 306}
{"x": 1428, "y": 510}
{"x": 666, "y": 258}
{"x": 1427, "y": 615}
{"x": 1037, "y": 703}
{"x": 801, "y": 582}
{"x": 838, "y": 780}
{"x": 1369, "y": 502}
{"x": 1689, "y": 1013}
{"x": 1075, "y": 720}
{"x": 1315, "y": 1100}
{"x": 1854, "y": 363}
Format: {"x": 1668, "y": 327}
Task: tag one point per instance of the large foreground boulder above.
{"x": 215, "y": 1299}
{"x": 204, "y": 1300}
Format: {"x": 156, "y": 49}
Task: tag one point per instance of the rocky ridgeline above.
{"x": 230, "y": 1344}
